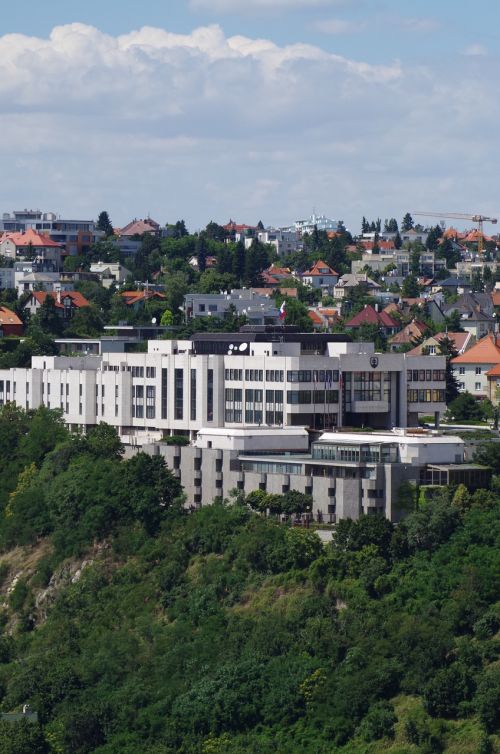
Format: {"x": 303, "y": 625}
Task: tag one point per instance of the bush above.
{"x": 487, "y": 700}
{"x": 447, "y": 689}
{"x": 179, "y": 440}
{"x": 378, "y": 723}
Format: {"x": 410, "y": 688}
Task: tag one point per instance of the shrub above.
{"x": 378, "y": 723}
{"x": 179, "y": 440}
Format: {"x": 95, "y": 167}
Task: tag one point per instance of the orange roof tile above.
{"x": 484, "y": 351}
{"x": 317, "y": 267}
{"x": 30, "y": 237}
{"x": 314, "y": 316}
{"x": 8, "y": 317}
{"x": 76, "y": 298}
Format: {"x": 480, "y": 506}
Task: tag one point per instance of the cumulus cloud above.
{"x": 205, "y": 125}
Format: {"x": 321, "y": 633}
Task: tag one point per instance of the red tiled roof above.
{"x": 131, "y": 297}
{"x": 495, "y": 297}
{"x": 494, "y": 372}
{"x": 314, "y": 316}
{"x": 8, "y": 317}
{"x": 76, "y": 297}
{"x": 275, "y": 270}
{"x": 368, "y": 316}
{"x": 140, "y": 227}
{"x": 269, "y": 279}
{"x": 484, "y": 351}
{"x": 30, "y": 237}
{"x": 236, "y": 228}
{"x": 410, "y": 332}
{"x": 317, "y": 266}
{"x": 382, "y": 245}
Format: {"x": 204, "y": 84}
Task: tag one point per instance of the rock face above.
{"x": 21, "y": 564}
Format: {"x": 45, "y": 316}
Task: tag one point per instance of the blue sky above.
{"x": 249, "y": 108}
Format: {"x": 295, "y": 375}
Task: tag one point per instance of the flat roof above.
{"x": 374, "y": 438}
{"x": 252, "y": 431}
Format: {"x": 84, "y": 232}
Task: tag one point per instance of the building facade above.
{"x": 271, "y": 378}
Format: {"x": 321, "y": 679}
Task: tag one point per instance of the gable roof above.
{"x": 140, "y": 227}
{"x": 368, "y": 316}
{"x": 76, "y": 297}
{"x": 317, "y": 267}
{"x": 485, "y": 351}
{"x": 8, "y": 317}
{"x": 132, "y": 297}
{"x": 410, "y": 332}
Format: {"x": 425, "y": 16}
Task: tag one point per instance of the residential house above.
{"x": 369, "y": 316}
{"x": 258, "y": 309}
{"x": 471, "y": 368}
{"x": 110, "y": 273}
{"x": 75, "y": 236}
{"x": 476, "y": 313}
{"x": 321, "y": 276}
{"x": 148, "y": 226}
{"x": 10, "y": 323}
{"x": 454, "y": 285}
{"x": 431, "y": 345}
{"x": 137, "y": 299}
{"x": 66, "y": 302}
{"x": 324, "y": 318}
{"x": 349, "y": 281}
{"x": 409, "y": 335}
{"x": 31, "y": 245}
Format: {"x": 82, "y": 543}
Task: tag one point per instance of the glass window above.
{"x": 178, "y": 393}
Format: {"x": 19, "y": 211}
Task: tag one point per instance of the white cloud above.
{"x": 420, "y": 25}
{"x": 206, "y": 126}
{"x": 475, "y": 50}
{"x": 336, "y": 26}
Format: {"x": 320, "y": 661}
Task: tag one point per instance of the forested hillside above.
{"x": 132, "y": 627}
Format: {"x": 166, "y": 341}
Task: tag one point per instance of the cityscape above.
{"x": 250, "y": 444}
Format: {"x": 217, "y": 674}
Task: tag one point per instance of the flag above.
{"x": 282, "y": 313}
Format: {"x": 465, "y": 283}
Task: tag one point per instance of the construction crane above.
{"x": 477, "y": 218}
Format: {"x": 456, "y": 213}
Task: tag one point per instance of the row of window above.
{"x": 425, "y": 375}
{"x": 277, "y": 375}
{"x": 426, "y": 396}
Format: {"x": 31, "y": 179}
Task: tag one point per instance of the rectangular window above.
{"x": 164, "y": 393}
{"x": 461, "y": 370}
{"x": 151, "y": 372}
{"x": 193, "y": 394}
{"x": 478, "y": 370}
{"x": 477, "y": 386}
{"x": 178, "y": 393}
{"x": 150, "y": 401}
{"x": 210, "y": 395}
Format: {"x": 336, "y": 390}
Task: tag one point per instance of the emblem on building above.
{"x": 374, "y": 362}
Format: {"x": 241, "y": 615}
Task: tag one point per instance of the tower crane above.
{"x": 477, "y": 218}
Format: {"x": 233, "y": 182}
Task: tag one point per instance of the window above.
{"x": 201, "y": 307}
{"x": 461, "y": 370}
{"x": 274, "y": 406}
{"x": 151, "y": 372}
{"x": 254, "y": 375}
{"x": 210, "y": 395}
{"x": 150, "y": 401}
{"x": 477, "y": 386}
{"x": 253, "y": 406}
{"x": 478, "y": 370}
{"x": 178, "y": 393}
{"x": 164, "y": 393}
{"x": 233, "y": 409}
{"x": 192, "y": 396}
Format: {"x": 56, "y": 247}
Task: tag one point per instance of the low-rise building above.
{"x": 370, "y": 316}
{"x": 10, "y": 323}
{"x": 66, "y": 302}
{"x": 321, "y": 276}
{"x": 257, "y": 308}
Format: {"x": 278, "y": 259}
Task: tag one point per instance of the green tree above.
{"x": 407, "y": 222}
{"x": 447, "y": 348}
{"x": 104, "y": 224}
{"x": 410, "y": 287}
{"x": 465, "y": 408}
{"x": 201, "y": 253}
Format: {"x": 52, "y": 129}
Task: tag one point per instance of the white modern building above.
{"x": 269, "y": 376}
{"x": 321, "y": 222}
{"x": 251, "y": 403}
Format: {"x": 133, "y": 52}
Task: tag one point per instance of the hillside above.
{"x": 131, "y": 627}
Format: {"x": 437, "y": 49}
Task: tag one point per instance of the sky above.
{"x": 250, "y": 109}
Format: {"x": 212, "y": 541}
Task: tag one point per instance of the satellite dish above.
{"x": 229, "y": 353}
{"x": 153, "y": 321}
{"x": 243, "y": 347}
{"x": 231, "y": 346}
